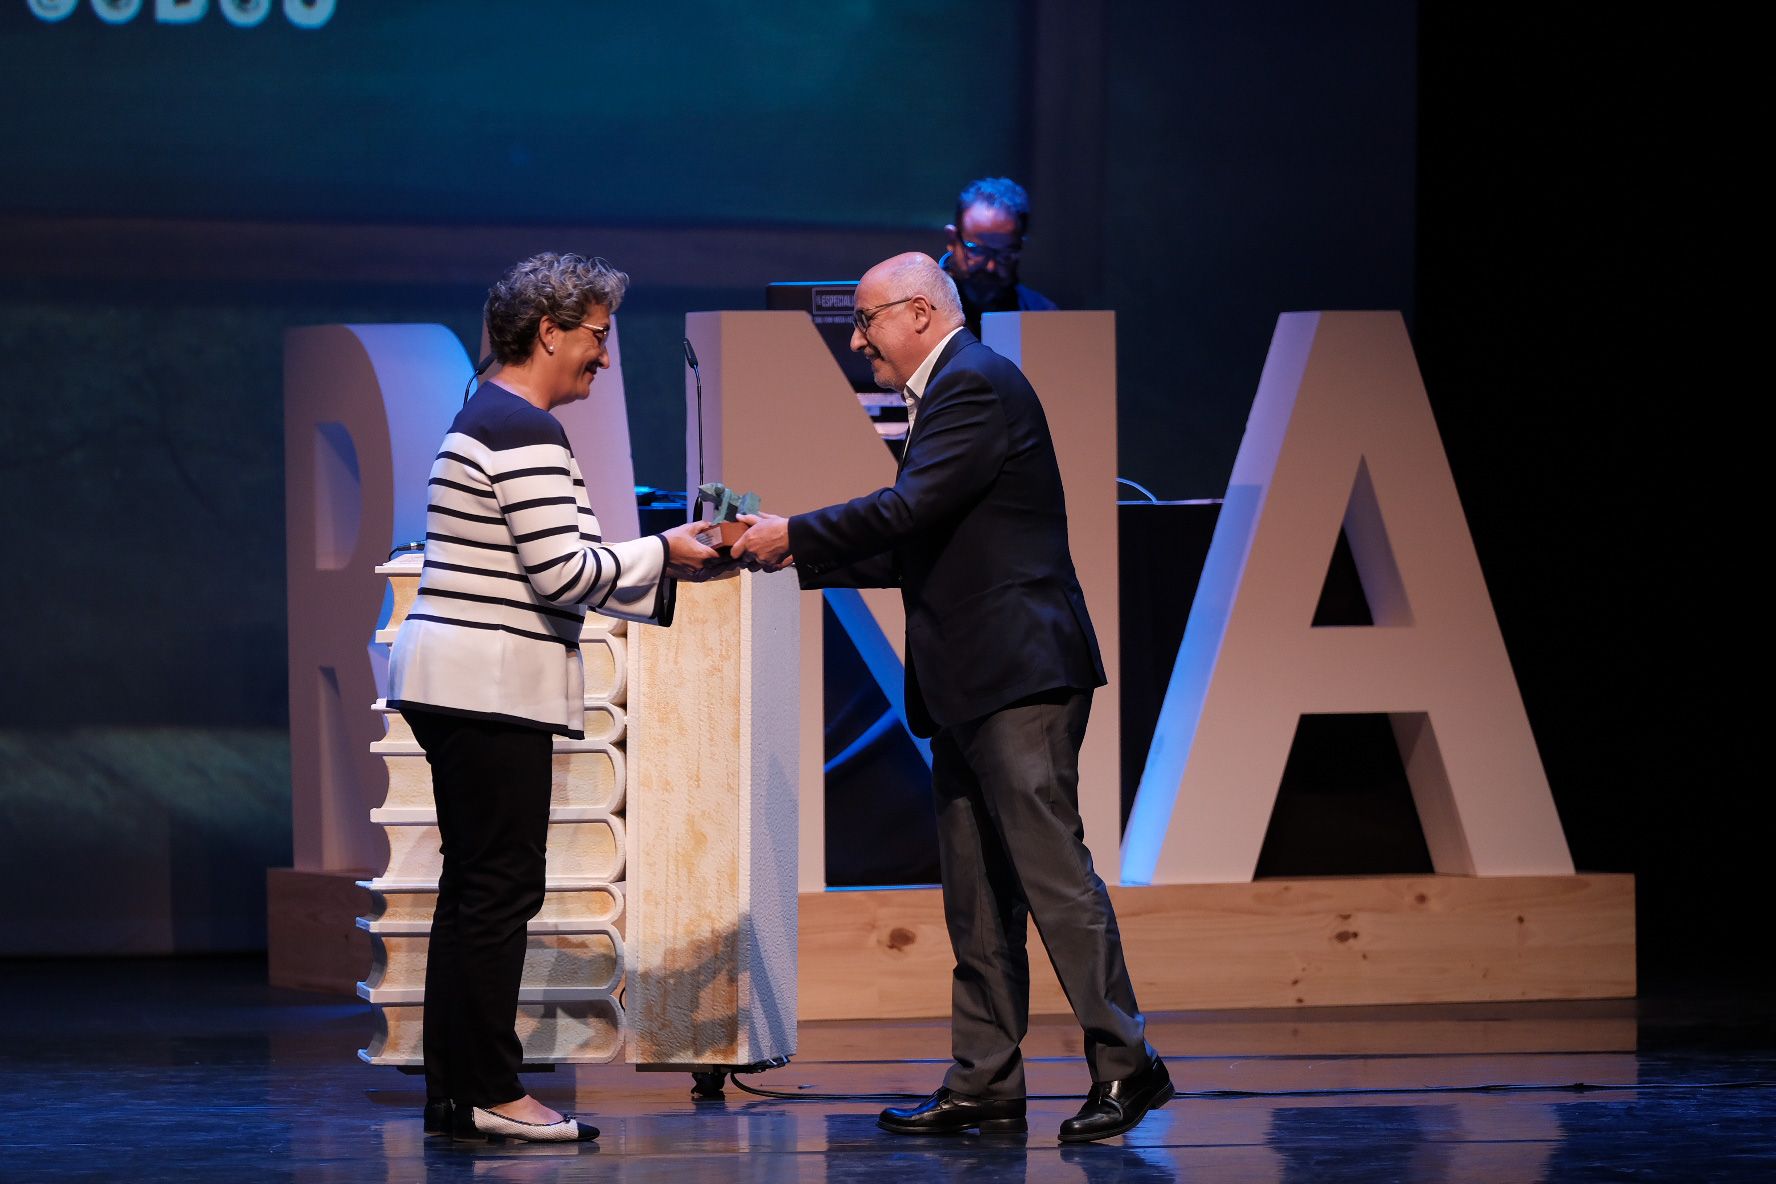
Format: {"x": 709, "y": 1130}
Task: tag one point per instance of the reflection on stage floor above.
{"x": 193, "y": 1070}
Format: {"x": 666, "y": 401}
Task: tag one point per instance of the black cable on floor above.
{"x": 1579, "y": 1087}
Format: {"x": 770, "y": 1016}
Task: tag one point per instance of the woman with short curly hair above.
{"x": 486, "y": 669}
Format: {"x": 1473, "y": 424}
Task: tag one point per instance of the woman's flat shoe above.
{"x": 475, "y": 1123}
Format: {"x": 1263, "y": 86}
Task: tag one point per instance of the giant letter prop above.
{"x": 364, "y": 409}
{"x": 1070, "y": 358}
{"x": 779, "y": 418}
{"x": 1341, "y": 433}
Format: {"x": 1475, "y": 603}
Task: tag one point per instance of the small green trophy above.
{"x": 726, "y": 506}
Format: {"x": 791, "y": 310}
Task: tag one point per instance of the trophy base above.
{"x": 722, "y": 536}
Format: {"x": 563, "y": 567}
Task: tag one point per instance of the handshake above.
{"x": 738, "y": 536}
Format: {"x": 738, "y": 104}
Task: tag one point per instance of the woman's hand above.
{"x": 688, "y": 559}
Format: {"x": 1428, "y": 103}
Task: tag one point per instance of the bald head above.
{"x": 906, "y": 305}
{"x": 913, "y": 274}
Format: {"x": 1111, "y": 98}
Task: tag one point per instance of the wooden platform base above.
{"x": 313, "y": 942}
{"x": 1191, "y": 947}
{"x": 1562, "y": 1026}
{"x": 1273, "y": 943}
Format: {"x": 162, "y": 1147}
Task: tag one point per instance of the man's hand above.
{"x": 686, "y": 558}
{"x": 765, "y": 545}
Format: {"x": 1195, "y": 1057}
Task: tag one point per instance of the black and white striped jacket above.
{"x": 513, "y": 559}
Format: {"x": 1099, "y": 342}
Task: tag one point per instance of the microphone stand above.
{"x": 696, "y": 501}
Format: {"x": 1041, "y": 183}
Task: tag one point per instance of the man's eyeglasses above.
{"x": 862, "y": 317}
{"x": 1004, "y": 256}
{"x": 599, "y": 331}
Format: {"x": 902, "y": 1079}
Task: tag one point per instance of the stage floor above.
{"x": 194, "y": 1070}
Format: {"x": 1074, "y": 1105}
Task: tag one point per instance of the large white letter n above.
{"x": 1341, "y": 434}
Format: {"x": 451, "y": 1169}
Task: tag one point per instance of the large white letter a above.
{"x": 1341, "y": 434}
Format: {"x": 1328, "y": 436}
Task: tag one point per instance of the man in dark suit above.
{"x": 1001, "y": 664}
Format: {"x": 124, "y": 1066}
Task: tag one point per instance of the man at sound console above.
{"x": 986, "y": 245}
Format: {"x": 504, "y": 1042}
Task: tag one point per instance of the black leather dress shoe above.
{"x": 946, "y": 1113}
{"x": 1113, "y": 1107}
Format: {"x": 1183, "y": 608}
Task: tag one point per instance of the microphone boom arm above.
{"x": 696, "y": 499}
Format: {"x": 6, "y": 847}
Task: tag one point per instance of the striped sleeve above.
{"x": 543, "y": 501}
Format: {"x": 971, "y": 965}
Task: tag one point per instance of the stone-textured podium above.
{"x": 713, "y": 826}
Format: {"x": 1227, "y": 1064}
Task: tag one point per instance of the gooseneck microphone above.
{"x": 695, "y": 500}
{"x": 480, "y": 369}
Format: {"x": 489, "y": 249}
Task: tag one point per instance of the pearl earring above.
{"x": 550, "y": 350}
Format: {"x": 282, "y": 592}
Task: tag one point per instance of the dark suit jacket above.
{"x": 974, "y": 533}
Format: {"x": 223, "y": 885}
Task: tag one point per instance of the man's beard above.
{"x": 882, "y": 383}
{"x": 984, "y": 287}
